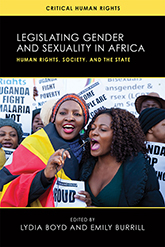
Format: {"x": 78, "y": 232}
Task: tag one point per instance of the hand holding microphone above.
{"x": 86, "y": 140}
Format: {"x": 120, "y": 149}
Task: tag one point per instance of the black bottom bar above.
{"x": 82, "y": 227}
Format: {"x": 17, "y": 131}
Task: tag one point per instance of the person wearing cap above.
{"x": 30, "y": 174}
{"x": 152, "y": 121}
{"x": 151, "y": 100}
{"x": 10, "y": 137}
{"x": 10, "y": 133}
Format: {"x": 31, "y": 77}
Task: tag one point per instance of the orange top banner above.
{"x": 82, "y": 8}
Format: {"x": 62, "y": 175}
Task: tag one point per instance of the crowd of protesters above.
{"x": 113, "y": 164}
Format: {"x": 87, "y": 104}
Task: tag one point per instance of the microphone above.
{"x": 88, "y": 139}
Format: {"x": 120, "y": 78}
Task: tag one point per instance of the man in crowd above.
{"x": 147, "y": 101}
{"x": 152, "y": 121}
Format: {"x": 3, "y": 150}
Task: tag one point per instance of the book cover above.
{"x": 117, "y": 44}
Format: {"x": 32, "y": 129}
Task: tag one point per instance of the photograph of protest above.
{"x": 58, "y": 137}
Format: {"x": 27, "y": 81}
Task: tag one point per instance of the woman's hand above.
{"x": 55, "y": 163}
{"x": 86, "y": 198}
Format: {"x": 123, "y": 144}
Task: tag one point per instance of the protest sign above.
{"x": 157, "y": 160}
{"x": 48, "y": 88}
{"x": 123, "y": 92}
{"x": 16, "y": 96}
{"x": 96, "y": 97}
{"x": 64, "y": 191}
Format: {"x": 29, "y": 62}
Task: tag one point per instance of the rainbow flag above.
{"x": 89, "y": 81}
{"x": 34, "y": 83}
{"x": 27, "y": 160}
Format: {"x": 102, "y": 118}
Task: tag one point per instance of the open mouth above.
{"x": 7, "y": 145}
{"x": 68, "y": 128}
{"x": 39, "y": 127}
{"x": 94, "y": 144}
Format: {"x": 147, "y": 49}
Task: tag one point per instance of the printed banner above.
{"x": 48, "y": 88}
{"x": 64, "y": 191}
{"x": 16, "y": 97}
{"x": 157, "y": 160}
{"x": 123, "y": 92}
{"x": 96, "y": 97}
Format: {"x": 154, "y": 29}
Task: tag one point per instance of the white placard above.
{"x": 96, "y": 97}
{"x": 48, "y": 88}
{"x": 64, "y": 191}
{"x": 157, "y": 160}
{"x": 16, "y": 97}
{"x": 123, "y": 92}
